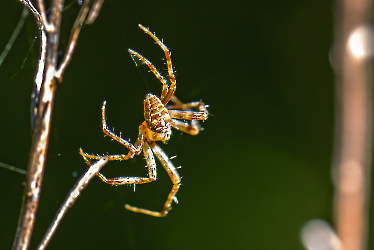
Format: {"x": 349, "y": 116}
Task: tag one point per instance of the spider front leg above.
{"x": 165, "y": 99}
{"x": 175, "y": 178}
{"x": 165, "y": 88}
{"x": 167, "y": 92}
{"x": 134, "y": 149}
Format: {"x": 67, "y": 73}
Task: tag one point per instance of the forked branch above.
{"x": 46, "y": 81}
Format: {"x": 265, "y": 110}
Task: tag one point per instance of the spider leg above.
{"x": 190, "y": 115}
{"x": 165, "y": 87}
{"x": 152, "y": 172}
{"x": 192, "y": 128}
{"x": 174, "y": 176}
{"x": 165, "y": 99}
{"x": 186, "y": 106}
{"x": 176, "y": 101}
{"x": 134, "y": 149}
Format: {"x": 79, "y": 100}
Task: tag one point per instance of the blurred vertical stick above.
{"x": 353, "y": 134}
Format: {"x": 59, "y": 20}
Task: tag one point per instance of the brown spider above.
{"x": 159, "y": 119}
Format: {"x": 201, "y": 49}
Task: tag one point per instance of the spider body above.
{"x": 159, "y": 119}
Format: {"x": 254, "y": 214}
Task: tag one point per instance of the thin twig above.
{"x": 73, "y": 39}
{"x": 43, "y": 16}
{"x": 353, "y": 138}
{"x": 94, "y": 12}
{"x": 71, "y": 198}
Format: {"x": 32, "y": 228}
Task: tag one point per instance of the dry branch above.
{"x": 46, "y": 81}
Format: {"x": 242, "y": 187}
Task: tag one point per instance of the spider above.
{"x": 159, "y": 119}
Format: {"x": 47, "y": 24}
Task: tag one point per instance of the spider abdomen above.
{"x": 156, "y": 115}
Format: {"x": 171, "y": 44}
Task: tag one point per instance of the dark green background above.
{"x": 257, "y": 173}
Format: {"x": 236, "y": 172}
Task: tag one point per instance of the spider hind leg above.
{"x": 175, "y": 178}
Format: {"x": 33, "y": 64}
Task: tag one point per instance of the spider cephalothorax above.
{"x": 159, "y": 119}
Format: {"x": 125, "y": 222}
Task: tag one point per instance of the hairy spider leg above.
{"x": 190, "y": 115}
{"x": 187, "y": 107}
{"x": 165, "y": 87}
{"x": 165, "y": 99}
{"x": 194, "y": 127}
{"x": 175, "y": 178}
{"x": 187, "y": 114}
{"x": 152, "y": 172}
{"x": 102, "y": 177}
{"x": 134, "y": 149}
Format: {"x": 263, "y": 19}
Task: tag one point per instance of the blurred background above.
{"x": 258, "y": 172}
